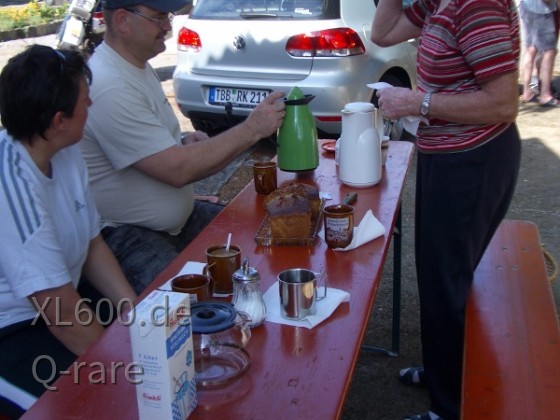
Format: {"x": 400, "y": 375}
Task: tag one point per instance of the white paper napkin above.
{"x": 368, "y": 229}
{"x": 410, "y": 123}
{"x": 325, "y": 307}
{"x": 191, "y": 267}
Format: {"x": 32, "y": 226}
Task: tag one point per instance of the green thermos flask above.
{"x": 297, "y": 137}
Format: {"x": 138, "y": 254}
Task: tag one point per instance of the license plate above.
{"x": 244, "y": 98}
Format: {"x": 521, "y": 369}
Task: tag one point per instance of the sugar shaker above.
{"x": 247, "y": 296}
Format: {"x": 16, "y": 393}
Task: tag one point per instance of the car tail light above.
{"x": 339, "y": 42}
{"x": 332, "y": 118}
{"x": 99, "y": 16}
{"x": 188, "y": 40}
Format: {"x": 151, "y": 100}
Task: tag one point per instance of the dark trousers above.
{"x": 143, "y": 253}
{"x": 461, "y": 198}
{"x": 31, "y": 358}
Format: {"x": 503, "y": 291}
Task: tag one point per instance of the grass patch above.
{"x": 31, "y": 14}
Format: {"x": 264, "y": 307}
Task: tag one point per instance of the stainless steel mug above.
{"x": 298, "y": 292}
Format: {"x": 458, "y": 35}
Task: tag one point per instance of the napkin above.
{"x": 368, "y": 229}
{"x": 410, "y": 123}
{"x": 325, "y": 307}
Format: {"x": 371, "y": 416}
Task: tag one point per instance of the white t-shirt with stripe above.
{"x": 46, "y": 225}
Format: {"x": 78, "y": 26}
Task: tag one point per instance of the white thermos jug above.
{"x": 359, "y": 154}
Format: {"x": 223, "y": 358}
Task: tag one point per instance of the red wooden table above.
{"x": 294, "y": 372}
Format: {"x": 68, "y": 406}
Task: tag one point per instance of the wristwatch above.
{"x": 425, "y": 107}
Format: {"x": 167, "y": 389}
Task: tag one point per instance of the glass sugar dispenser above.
{"x": 247, "y": 296}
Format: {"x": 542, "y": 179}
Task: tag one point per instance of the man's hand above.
{"x": 268, "y": 116}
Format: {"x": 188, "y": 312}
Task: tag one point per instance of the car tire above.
{"x": 397, "y": 131}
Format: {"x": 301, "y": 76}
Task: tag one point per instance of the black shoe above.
{"x": 413, "y": 376}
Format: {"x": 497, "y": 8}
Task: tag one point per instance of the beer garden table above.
{"x": 294, "y": 372}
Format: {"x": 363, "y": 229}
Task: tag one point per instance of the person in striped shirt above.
{"x": 467, "y": 162}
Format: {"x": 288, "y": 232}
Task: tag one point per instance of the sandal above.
{"x": 552, "y": 103}
{"x": 413, "y": 376}
{"x": 533, "y": 99}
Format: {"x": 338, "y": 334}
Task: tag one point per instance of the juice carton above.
{"x": 161, "y": 337}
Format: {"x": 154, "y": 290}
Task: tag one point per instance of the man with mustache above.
{"x": 141, "y": 167}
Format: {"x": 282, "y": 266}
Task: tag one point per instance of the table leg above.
{"x": 397, "y": 266}
{"x": 396, "y": 322}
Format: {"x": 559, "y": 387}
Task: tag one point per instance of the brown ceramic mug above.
{"x": 222, "y": 263}
{"x": 264, "y": 175}
{"x": 339, "y": 225}
{"x": 199, "y": 286}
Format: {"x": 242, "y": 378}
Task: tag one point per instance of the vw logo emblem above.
{"x": 239, "y": 43}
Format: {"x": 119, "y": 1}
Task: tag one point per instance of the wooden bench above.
{"x": 512, "y": 339}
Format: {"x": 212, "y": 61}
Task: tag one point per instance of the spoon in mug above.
{"x": 228, "y": 243}
{"x": 350, "y": 198}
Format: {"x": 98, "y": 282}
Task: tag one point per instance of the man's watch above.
{"x": 425, "y": 107}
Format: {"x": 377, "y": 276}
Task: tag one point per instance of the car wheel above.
{"x": 395, "y": 129}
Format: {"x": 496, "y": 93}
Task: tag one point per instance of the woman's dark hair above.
{"x": 35, "y": 85}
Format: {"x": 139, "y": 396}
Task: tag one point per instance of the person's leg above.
{"x": 535, "y": 81}
{"x": 203, "y": 213}
{"x": 527, "y": 72}
{"x": 547, "y": 67}
{"x": 142, "y": 253}
{"x": 101, "y": 306}
{"x": 528, "y": 30}
{"x": 31, "y": 360}
{"x": 556, "y": 18}
{"x": 546, "y": 41}
{"x": 460, "y": 200}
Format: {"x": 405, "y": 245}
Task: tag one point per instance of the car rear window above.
{"x": 261, "y": 9}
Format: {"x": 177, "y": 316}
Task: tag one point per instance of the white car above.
{"x": 233, "y": 53}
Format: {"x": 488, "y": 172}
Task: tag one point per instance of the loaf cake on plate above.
{"x": 291, "y": 209}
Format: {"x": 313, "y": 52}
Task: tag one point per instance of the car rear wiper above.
{"x": 257, "y": 15}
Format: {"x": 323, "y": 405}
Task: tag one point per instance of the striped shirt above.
{"x": 467, "y": 43}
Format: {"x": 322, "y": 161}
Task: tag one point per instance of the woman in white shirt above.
{"x": 50, "y": 232}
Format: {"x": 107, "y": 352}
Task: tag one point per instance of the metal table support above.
{"x": 396, "y": 325}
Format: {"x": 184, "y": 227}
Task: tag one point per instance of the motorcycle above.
{"x": 83, "y": 26}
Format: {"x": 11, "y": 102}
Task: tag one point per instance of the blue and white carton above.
{"x": 162, "y": 347}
